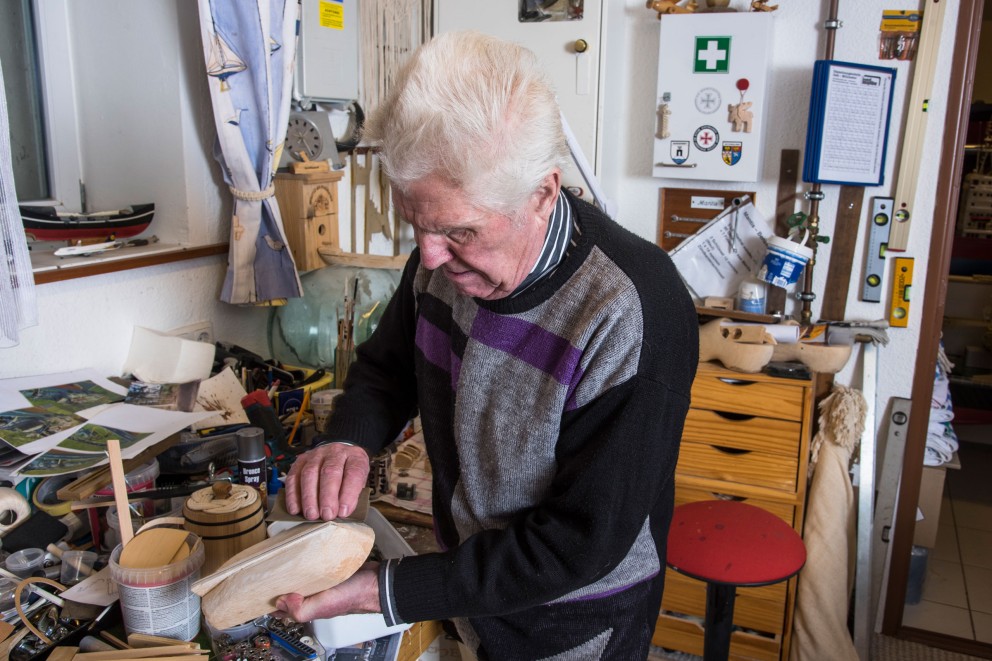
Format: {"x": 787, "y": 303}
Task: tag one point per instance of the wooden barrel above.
{"x": 228, "y": 518}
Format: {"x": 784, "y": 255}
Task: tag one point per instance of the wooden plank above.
{"x": 333, "y": 257}
{"x": 163, "y": 651}
{"x": 675, "y": 205}
{"x": 63, "y": 654}
{"x": 89, "y": 484}
{"x": 417, "y": 639}
{"x": 785, "y": 206}
{"x": 843, "y": 244}
{"x": 916, "y": 123}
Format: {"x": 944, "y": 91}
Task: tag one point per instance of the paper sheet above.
{"x": 221, "y": 395}
{"x": 155, "y": 357}
{"x": 706, "y": 261}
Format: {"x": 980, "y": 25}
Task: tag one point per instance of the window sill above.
{"x": 49, "y": 268}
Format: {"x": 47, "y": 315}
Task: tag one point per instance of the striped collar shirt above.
{"x": 556, "y": 243}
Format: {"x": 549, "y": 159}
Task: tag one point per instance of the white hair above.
{"x": 475, "y": 111}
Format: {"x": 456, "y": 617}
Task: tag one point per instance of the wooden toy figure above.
{"x": 663, "y": 114}
{"x": 762, "y": 5}
{"x": 671, "y": 7}
{"x": 739, "y": 115}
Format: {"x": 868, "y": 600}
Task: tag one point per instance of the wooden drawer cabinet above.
{"x": 746, "y": 438}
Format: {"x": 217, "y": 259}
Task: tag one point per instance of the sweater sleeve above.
{"x": 380, "y": 392}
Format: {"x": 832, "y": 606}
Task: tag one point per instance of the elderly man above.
{"x": 549, "y": 353}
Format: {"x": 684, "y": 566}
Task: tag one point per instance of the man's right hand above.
{"x": 325, "y": 482}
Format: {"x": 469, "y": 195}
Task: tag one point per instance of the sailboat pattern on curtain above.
{"x": 250, "y": 51}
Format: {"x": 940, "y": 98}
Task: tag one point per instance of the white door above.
{"x": 569, "y": 48}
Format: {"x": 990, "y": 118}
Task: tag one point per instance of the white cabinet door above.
{"x": 575, "y": 75}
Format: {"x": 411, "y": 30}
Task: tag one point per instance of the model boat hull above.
{"x": 46, "y": 224}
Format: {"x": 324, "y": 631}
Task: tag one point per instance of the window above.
{"x": 34, "y": 53}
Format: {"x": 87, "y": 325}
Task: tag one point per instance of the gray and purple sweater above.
{"x": 552, "y": 422}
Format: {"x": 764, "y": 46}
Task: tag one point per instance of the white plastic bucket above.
{"x": 784, "y": 262}
{"x": 159, "y": 600}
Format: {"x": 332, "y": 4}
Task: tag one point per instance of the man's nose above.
{"x": 433, "y": 250}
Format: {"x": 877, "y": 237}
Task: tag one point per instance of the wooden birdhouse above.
{"x": 308, "y": 202}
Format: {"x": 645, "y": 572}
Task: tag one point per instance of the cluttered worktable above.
{"x": 81, "y": 449}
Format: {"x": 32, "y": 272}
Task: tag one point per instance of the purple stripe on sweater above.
{"x": 530, "y": 343}
{"x": 610, "y": 593}
{"x": 434, "y": 343}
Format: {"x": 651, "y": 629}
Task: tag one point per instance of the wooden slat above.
{"x": 761, "y": 609}
{"x": 89, "y": 484}
{"x": 113, "y": 266}
{"x": 748, "y": 394}
{"x": 678, "y": 201}
{"x": 752, "y": 433}
{"x": 417, "y": 639}
{"x": 785, "y": 205}
{"x": 691, "y": 494}
{"x": 676, "y": 633}
{"x": 757, "y": 468}
{"x": 843, "y": 244}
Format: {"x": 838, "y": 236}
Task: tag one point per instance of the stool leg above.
{"x": 719, "y": 621}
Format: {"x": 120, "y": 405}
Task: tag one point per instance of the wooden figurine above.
{"x": 671, "y": 7}
{"x": 663, "y": 114}
{"x": 740, "y": 116}
{"x": 376, "y": 217}
{"x": 762, "y": 5}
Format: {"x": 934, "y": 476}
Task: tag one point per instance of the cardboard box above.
{"x": 929, "y": 504}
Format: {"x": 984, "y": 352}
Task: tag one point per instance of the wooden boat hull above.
{"x": 45, "y": 224}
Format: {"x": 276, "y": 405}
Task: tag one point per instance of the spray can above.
{"x": 251, "y": 458}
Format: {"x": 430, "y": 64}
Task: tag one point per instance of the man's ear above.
{"x": 546, "y": 195}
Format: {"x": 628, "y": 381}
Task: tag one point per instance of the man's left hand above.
{"x": 358, "y": 594}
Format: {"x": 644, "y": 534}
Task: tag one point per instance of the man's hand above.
{"x": 325, "y": 482}
{"x": 358, "y": 594}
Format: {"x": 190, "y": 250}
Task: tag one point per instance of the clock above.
{"x": 310, "y": 133}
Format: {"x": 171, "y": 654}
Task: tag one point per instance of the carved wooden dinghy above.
{"x": 306, "y": 559}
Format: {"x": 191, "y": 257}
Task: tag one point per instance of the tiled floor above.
{"x": 957, "y": 592}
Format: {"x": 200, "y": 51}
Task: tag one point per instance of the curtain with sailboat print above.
{"x": 250, "y": 52}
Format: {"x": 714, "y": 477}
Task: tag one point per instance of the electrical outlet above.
{"x": 202, "y": 331}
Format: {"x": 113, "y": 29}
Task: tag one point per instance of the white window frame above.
{"x": 58, "y": 91}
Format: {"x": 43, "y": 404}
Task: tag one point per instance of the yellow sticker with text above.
{"x": 332, "y": 14}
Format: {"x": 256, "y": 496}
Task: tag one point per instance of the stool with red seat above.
{"x": 729, "y": 544}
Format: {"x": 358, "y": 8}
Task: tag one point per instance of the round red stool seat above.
{"x": 729, "y": 544}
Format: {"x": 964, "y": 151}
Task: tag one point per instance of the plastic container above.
{"x": 7, "y": 590}
{"x": 76, "y": 565}
{"x": 26, "y": 562}
{"x": 322, "y": 404}
{"x": 141, "y": 478}
{"x": 784, "y": 262}
{"x": 348, "y": 630}
{"x": 751, "y": 296}
{"x": 112, "y": 535}
{"x": 160, "y": 600}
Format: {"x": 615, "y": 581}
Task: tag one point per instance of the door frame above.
{"x": 959, "y": 93}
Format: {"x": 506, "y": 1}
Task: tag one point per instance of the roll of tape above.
{"x": 45, "y": 496}
{"x": 14, "y": 509}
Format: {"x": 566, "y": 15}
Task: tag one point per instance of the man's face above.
{"x": 484, "y": 254}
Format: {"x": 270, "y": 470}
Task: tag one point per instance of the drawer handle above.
{"x": 726, "y": 450}
{"x": 737, "y": 417}
{"x": 735, "y": 382}
{"x": 727, "y": 496}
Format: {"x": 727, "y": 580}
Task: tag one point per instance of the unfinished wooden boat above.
{"x": 306, "y": 559}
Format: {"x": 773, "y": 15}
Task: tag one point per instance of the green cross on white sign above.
{"x": 712, "y": 55}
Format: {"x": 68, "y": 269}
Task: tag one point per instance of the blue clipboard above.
{"x": 847, "y": 133}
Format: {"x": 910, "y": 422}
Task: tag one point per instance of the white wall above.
{"x": 87, "y": 322}
{"x": 630, "y": 84}
{"x": 147, "y": 135}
